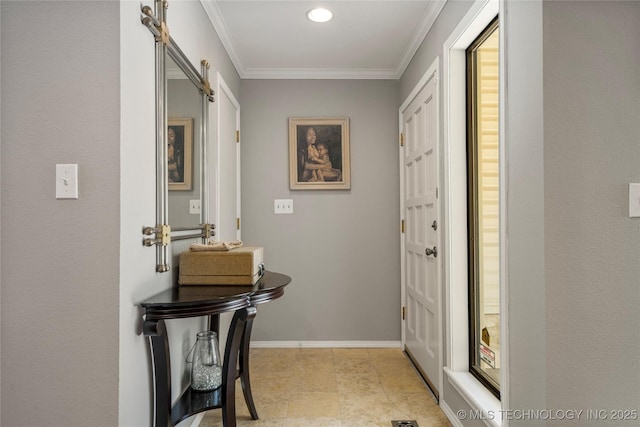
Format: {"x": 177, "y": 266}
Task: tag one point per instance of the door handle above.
{"x": 430, "y": 251}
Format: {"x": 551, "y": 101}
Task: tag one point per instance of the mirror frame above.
{"x": 162, "y": 234}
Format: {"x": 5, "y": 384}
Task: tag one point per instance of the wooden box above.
{"x": 240, "y": 266}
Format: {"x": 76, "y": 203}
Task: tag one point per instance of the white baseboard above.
{"x": 326, "y": 344}
{"x": 455, "y": 421}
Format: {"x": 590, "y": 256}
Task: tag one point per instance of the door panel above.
{"x": 228, "y": 165}
{"x": 227, "y": 179}
{"x": 422, "y": 284}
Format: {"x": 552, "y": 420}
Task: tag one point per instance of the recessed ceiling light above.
{"x": 320, "y": 15}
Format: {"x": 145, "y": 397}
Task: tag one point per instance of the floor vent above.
{"x": 404, "y": 423}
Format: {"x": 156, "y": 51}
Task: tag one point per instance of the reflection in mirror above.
{"x": 184, "y": 148}
{"x": 182, "y": 110}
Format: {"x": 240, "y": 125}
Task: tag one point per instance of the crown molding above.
{"x": 430, "y": 16}
{"x": 215, "y": 16}
{"x": 318, "y": 74}
{"x": 217, "y": 20}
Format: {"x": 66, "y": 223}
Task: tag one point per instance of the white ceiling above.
{"x": 273, "y": 39}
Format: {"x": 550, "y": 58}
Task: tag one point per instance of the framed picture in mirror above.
{"x": 180, "y": 153}
{"x": 319, "y": 153}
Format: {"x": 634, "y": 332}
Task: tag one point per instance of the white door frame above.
{"x": 434, "y": 68}
{"x": 454, "y": 204}
{"x": 224, "y": 90}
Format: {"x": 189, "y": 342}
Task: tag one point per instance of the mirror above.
{"x": 182, "y": 110}
{"x": 184, "y": 149}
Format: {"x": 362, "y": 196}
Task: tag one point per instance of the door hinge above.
{"x": 237, "y": 136}
{"x": 404, "y": 312}
{"x": 238, "y": 223}
{"x": 436, "y": 192}
{"x": 402, "y": 140}
{"x": 402, "y": 226}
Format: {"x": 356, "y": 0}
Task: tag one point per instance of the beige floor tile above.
{"x": 272, "y": 422}
{"x": 435, "y": 419}
{"x": 402, "y": 384}
{"x": 313, "y": 374}
{"x": 354, "y": 366}
{"x": 350, "y": 353}
{"x": 310, "y": 365}
{"x": 259, "y": 365}
{"x": 370, "y": 406}
{"x": 272, "y": 405}
{"x": 425, "y": 411}
{"x": 324, "y": 381}
{"x": 334, "y": 388}
{"x": 319, "y": 353}
{"x": 272, "y": 383}
{"x": 422, "y": 399}
{"x": 359, "y": 383}
{"x": 386, "y": 353}
{"x": 211, "y": 419}
{"x": 365, "y": 422}
{"x": 265, "y": 374}
{"x": 269, "y": 407}
{"x": 314, "y": 404}
{"x": 313, "y": 422}
{"x": 393, "y": 367}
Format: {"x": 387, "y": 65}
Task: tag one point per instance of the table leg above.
{"x": 156, "y": 331}
{"x": 214, "y": 324}
{"x": 230, "y": 367}
{"x": 244, "y": 369}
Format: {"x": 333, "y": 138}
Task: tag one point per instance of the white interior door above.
{"x": 228, "y": 165}
{"x": 227, "y": 168}
{"x": 422, "y": 255}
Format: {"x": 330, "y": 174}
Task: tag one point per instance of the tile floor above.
{"x": 336, "y": 387}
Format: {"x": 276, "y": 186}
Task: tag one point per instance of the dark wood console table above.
{"x": 194, "y": 301}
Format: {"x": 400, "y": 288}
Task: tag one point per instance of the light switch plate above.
{"x": 66, "y": 181}
{"x": 194, "y": 207}
{"x": 283, "y": 206}
{"x": 634, "y": 200}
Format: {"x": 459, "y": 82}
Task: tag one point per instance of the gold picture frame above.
{"x": 319, "y": 153}
{"x": 180, "y": 153}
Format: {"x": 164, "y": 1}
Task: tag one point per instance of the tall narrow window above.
{"x": 483, "y": 207}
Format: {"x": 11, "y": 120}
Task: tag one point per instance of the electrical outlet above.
{"x": 283, "y": 206}
{"x": 194, "y": 207}
{"x": 67, "y": 181}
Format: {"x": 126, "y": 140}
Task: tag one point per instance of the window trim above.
{"x": 472, "y": 202}
{"x": 460, "y": 387}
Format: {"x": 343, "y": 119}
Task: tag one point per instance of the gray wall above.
{"x": 592, "y": 247}
{"x": 62, "y": 295}
{"x": 0, "y": 223}
{"x": 78, "y": 87}
{"x": 431, "y": 47}
{"x": 60, "y": 258}
{"x": 572, "y": 149}
{"x": 342, "y": 248}
{"x": 192, "y": 30}
{"x": 525, "y": 196}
